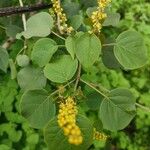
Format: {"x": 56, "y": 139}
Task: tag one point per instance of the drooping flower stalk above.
{"x": 99, "y": 15}
{"x": 61, "y": 18}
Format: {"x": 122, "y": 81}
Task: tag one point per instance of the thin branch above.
{"x": 24, "y": 26}
{"x": 110, "y": 44}
{"x": 8, "y": 43}
{"x": 58, "y": 21}
{"x": 61, "y": 46}
{"x": 137, "y": 104}
{"x": 78, "y": 77}
{"x": 100, "y": 87}
{"x": 143, "y": 107}
{"x": 2, "y": 27}
{"x": 7, "y": 11}
{"x": 57, "y": 91}
{"x": 58, "y": 35}
{"x": 90, "y": 85}
{"x": 23, "y": 16}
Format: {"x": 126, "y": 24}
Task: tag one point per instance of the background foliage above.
{"x": 15, "y": 132}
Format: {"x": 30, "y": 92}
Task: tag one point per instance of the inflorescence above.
{"x": 99, "y": 15}
{"x": 99, "y": 136}
{"x": 61, "y": 18}
{"x": 67, "y": 121}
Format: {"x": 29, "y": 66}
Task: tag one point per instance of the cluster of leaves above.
{"x": 15, "y": 132}
{"x": 49, "y": 63}
{"x": 136, "y": 15}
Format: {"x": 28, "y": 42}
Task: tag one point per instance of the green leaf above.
{"x": 94, "y": 100}
{"x": 88, "y": 48}
{"x": 90, "y": 3}
{"x": 4, "y": 147}
{"x": 90, "y": 10}
{"x": 70, "y": 45}
{"x": 109, "y": 58}
{"x": 9, "y": 129}
{"x": 38, "y": 25}
{"x": 12, "y": 30}
{"x": 112, "y": 19}
{"x": 8, "y": 92}
{"x": 33, "y": 139}
{"x": 31, "y": 78}
{"x": 16, "y": 48}
{"x": 118, "y": 109}
{"x": 61, "y": 70}
{"x": 13, "y": 69}
{"x": 43, "y": 50}
{"x": 4, "y": 59}
{"x": 76, "y": 21}
{"x": 71, "y": 9}
{"x": 37, "y": 107}
{"x": 130, "y": 50}
{"x": 56, "y": 139}
{"x": 22, "y": 60}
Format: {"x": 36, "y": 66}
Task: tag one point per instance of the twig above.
{"x": 78, "y": 77}
{"x": 8, "y": 43}
{"x": 7, "y": 11}
{"x": 143, "y": 107}
{"x": 58, "y": 35}
{"x": 61, "y": 46}
{"x": 110, "y": 44}
{"x": 100, "y": 87}
{"x": 94, "y": 88}
{"x": 137, "y": 104}
{"x": 55, "y": 92}
{"x": 2, "y": 27}
{"x": 58, "y": 22}
{"x": 23, "y": 16}
{"x": 24, "y": 26}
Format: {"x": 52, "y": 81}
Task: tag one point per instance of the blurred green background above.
{"x": 15, "y": 132}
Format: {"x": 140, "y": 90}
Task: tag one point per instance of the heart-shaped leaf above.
{"x": 117, "y": 110}
{"x": 37, "y": 107}
{"x": 31, "y": 78}
{"x": 38, "y": 25}
{"x": 88, "y": 48}
{"x": 61, "y": 70}
{"x": 43, "y": 50}
{"x": 130, "y": 50}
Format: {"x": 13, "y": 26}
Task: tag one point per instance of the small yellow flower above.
{"x": 99, "y": 136}
{"x": 99, "y": 15}
{"x": 61, "y": 17}
{"x": 103, "y": 3}
{"x": 67, "y": 121}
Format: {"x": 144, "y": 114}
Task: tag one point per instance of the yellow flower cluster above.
{"x": 61, "y": 18}
{"x": 99, "y": 15}
{"x": 99, "y": 136}
{"x": 103, "y": 3}
{"x": 67, "y": 121}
